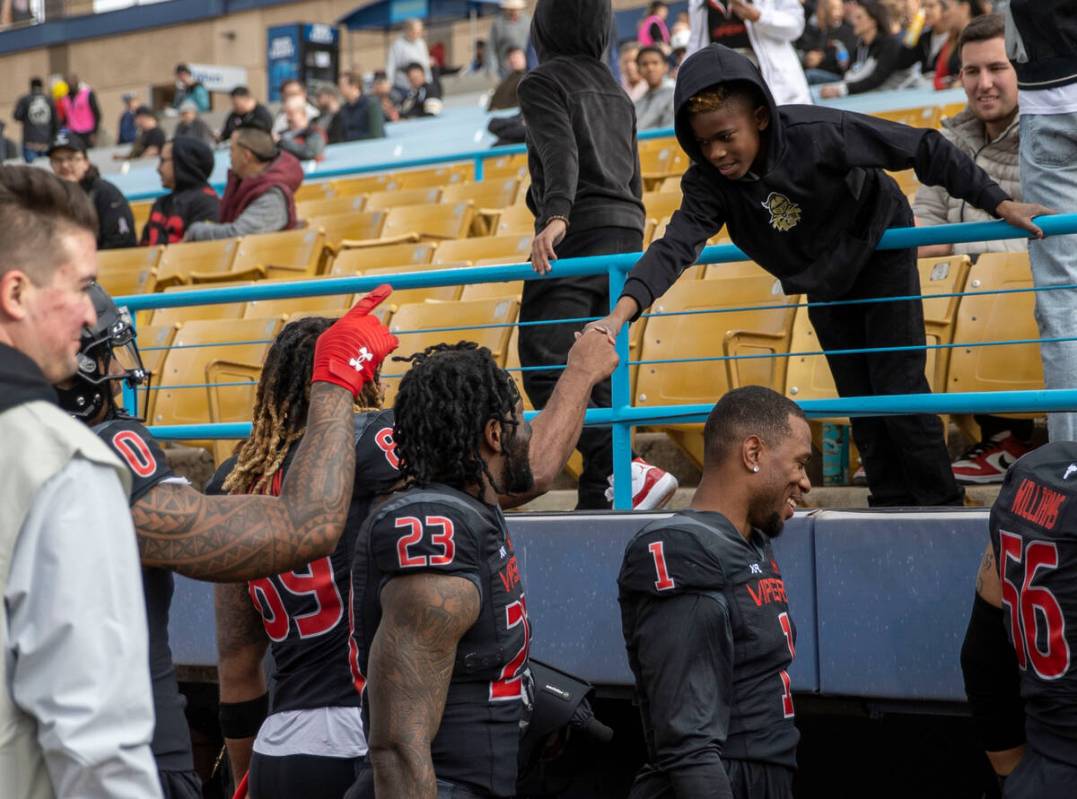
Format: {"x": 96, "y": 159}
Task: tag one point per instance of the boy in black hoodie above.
{"x": 803, "y": 193}
{"x": 185, "y": 166}
{"x": 586, "y": 197}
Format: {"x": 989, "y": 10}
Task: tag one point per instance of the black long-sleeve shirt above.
{"x": 709, "y": 638}
{"x": 815, "y": 203}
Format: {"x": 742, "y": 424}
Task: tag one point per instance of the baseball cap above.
{"x": 66, "y": 140}
{"x": 513, "y": 5}
{"x": 128, "y": 96}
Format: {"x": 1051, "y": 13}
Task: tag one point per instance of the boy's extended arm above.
{"x": 553, "y": 142}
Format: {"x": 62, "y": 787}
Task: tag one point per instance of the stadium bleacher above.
{"x": 440, "y": 217}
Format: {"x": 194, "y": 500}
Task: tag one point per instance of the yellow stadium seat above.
{"x": 505, "y": 166}
{"x": 289, "y": 253}
{"x": 660, "y": 205}
{"x": 350, "y": 262}
{"x": 906, "y": 180}
{"x": 330, "y": 206}
{"x": 484, "y": 291}
{"x": 243, "y": 341}
{"x": 362, "y": 184}
{"x": 489, "y": 193}
{"x": 515, "y": 249}
{"x": 946, "y": 275}
{"x": 409, "y": 296}
{"x": 422, "y": 317}
{"x": 314, "y": 191}
{"x": 950, "y": 110}
{"x": 656, "y": 161}
{"x": 397, "y": 198}
{"x": 430, "y": 222}
{"x": 671, "y": 185}
{"x": 231, "y": 394}
{"x": 128, "y": 258}
{"x": 364, "y": 226}
{"x": 153, "y": 343}
{"x": 189, "y": 313}
{"x": 140, "y": 211}
{"x": 263, "y": 309}
{"x": 734, "y": 333}
{"x": 996, "y": 317}
{"x": 436, "y": 177}
{"x": 123, "y": 282}
{"x": 925, "y": 117}
{"x": 205, "y": 260}
{"x": 516, "y": 219}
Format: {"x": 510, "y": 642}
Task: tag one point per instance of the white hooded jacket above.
{"x": 772, "y": 37}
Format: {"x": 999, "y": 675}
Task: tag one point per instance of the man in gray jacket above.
{"x": 655, "y": 108}
{"x": 987, "y": 131}
{"x": 76, "y": 713}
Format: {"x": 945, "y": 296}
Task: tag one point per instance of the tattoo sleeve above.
{"x": 411, "y": 662}
{"x": 241, "y": 646}
{"x": 236, "y": 538}
{"x": 988, "y": 581}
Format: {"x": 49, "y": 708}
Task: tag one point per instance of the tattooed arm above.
{"x": 411, "y": 662}
{"x": 555, "y": 431}
{"x": 989, "y": 665}
{"x": 988, "y": 581}
{"x": 235, "y": 538}
{"x": 241, "y": 646}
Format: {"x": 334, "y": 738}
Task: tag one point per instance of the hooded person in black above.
{"x": 585, "y": 195}
{"x": 185, "y": 166}
{"x": 802, "y": 191}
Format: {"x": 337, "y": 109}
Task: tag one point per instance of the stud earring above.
{"x": 755, "y": 468}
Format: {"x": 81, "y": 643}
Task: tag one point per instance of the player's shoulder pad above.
{"x": 672, "y": 556}
{"x": 427, "y": 529}
{"x": 377, "y": 467}
{"x": 129, "y": 439}
{"x": 1039, "y": 492}
{"x": 215, "y": 486}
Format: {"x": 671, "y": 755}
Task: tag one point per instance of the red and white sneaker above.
{"x": 988, "y": 461}
{"x": 652, "y": 487}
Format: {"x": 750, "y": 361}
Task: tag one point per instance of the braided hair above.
{"x": 442, "y": 407}
{"x": 281, "y": 404}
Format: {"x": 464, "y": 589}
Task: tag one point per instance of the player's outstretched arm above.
{"x": 241, "y": 647}
{"x": 556, "y": 430}
{"x": 424, "y": 616}
{"x": 236, "y": 538}
{"x": 992, "y": 680}
{"x": 243, "y": 537}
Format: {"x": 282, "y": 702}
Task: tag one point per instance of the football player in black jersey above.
{"x": 222, "y": 539}
{"x": 705, "y": 616}
{"x": 313, "y": 738}
{"x": 441, "y": 630}
{"x": 1019, "y": 649}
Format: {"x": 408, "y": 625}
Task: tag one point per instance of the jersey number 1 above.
{"x": 1030, "y": 603}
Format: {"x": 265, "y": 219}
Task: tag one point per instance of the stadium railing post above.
{"x": 480, "y": 168}
{"x": 620, "y": 400}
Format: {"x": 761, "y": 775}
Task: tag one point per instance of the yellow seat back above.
{"x": 350, "y": 262}
{"x": 288, "y": 253}
{"x": 398, "y": 198}
{"x": 349, "y": 227}
{"x": 513, "y": 249}
{"x": 430, "y": 222}
{"x": 180, "y": 260}
{"x": 489, "y": 193}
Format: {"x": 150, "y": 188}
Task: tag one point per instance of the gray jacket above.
{"x": 998, "y": 158}
{"x": 655, "y": 108}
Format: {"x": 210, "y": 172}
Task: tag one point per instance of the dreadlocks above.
{"x": 281, "y": 404}
{"x": 442, "y": 408}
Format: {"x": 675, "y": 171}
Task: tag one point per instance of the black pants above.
{"x": 748, "y": 779}
{"x": 1040, "y": 777}
{"x": 543, "y": 345}
{"x": 905, "y": 457}
{"x": 990, "y": 426}
{"x": 180, "y": 784}
{"x": 302, "y": 775}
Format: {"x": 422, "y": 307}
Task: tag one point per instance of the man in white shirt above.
{"x": 76, "y": 712}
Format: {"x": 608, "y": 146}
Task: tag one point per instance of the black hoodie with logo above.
{"x": 581, "y": 126}
{"x": 815, "y": 202}
{"x": 192, "y": 200}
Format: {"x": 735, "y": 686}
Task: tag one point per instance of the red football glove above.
{"x": 349, "y": 353}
